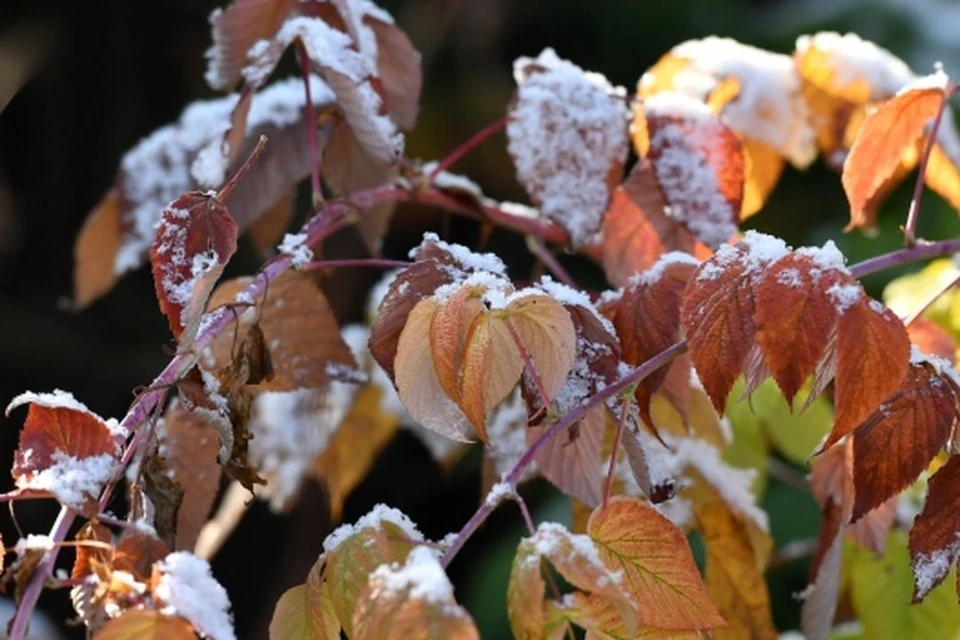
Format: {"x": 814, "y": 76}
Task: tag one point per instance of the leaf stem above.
{"x": 544, "y": 255}
{"x": 242, "y": 171}
{"x": 513, "y": 477}
{"x": 931, "y": 299}
{"x": 316, "y": 189}
{"x": 469, "y": 145}
{"x": 921, "y": 250}
{"x": 377, "y": 263}
{"x": 617, "y": 438}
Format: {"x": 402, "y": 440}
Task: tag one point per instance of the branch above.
{"x": 468, "y": 146}
{"x": 919, "y": 251}
{"x": 376, "y": 263}
{"x": 661, "y": 359}
{"x": 316, "y": 189}
{"x": 541, "y": 253}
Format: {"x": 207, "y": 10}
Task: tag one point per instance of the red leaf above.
{"x": 884, "y": 137}
{"x": 873, "y": 353}
{"x": 934, "y": 545}
{"x": 64, "y": 448}
{"x": 899, "y": 440}
{"x": 795, "y": 316}
{"x": 718, "y": 311}
{"x": 195, "y": 239}
{"x": 647, "y": 319}
{"x": 699, "y": 164}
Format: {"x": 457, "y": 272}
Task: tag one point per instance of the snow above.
{"x": 372, "y": 520}
{"x": 179, "y": 272}
{"x": 551, "y": 537}
{"x": 452, "y": 181}
{"x": 500, "y": 492}
{"x": 56, "y": 399}
{"x": 936, "y": 80}
{"x": 570, "y": 297}
{"x": 190, "y": 591}
{"x": 652, "y": 275}
{"x": 683, "y": 131}
{"x": 930, "y": 568}
{"x": 850, "y": 59}
{"x": 33, "y": 542}
{"x": 495, "y": 289}
{"x": 566, "y": 131}
{"x": 295, "y": 246}
{"x": 420, "y": 578}
{"x": 158, "y": 169}
{"x": 826, "y": 257}
{"x": 515, "y": 209}
{"x": 72, "y": 480}
{"x": 941, "y": 365}
{"x": 209, "y": 168}
{"x": 769, "y": 106}
{"x": 754, "y": 252}
{"x": 466, "y": 258}
{"x": 506, "y": 436}
{"x": 844, "y": 296}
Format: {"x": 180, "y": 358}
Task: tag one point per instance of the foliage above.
{"x": 621, "y": 398}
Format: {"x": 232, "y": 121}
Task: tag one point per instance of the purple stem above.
{"x": 920, "y": 251}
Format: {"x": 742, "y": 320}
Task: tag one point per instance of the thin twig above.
{"x": 617, "y": 438}
{"x": 541, "y": 253}
{"x": 316, "y": 189}
{"x": 919, "y": 251}
{"x": 242, "y": 171}
{"x": 463, "y": 149}
{"x": 933, "y": 297}
{"x": 377, "y": 263}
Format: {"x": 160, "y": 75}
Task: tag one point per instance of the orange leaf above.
{"x": 567, "y": 135}
{"x": 195, "y": 239}
{"x": 492, "y": 365}
{"x": 636, "y": 229}
{"x": 934, "y": 547}
{"x": 300, "y": 332}
{"x": 894, "y": 445}
{"x": 699, "y": 165}
{"x": 930, "y": 338}
{"x": 97, "y": 245}
{"x": 602, "y": 622}
{"x": 884, "y": 138}
{"x": 526, "y": 590}
{"x": 873, "y": 353}
{"x": 448, "y": 332}
{"x": 64, "y": 448}
{"x": 795, "y": 314}
{"x": 547, "y": 333}
{"x": 658, "y": 567}
{"x": 762, "y": 168}
{"x": 718, "y": 311}
{"x": 144, "y": 624}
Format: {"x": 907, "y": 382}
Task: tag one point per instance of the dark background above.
{"x": 98, "y": 76}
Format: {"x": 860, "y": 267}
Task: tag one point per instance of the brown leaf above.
{"x": 136, "y": 553}
{"x": 931, "y": 339}
{"x": 299, "y": 331}
{"x": 166, "y": 496}
{"x": 448, "y": 333}
{"x": 699, "y": 164}
{"x": 236, "y": 29}
{"x": 636, "y": 230}
{"x": 933, "y": 539}
{"x": 820, "y": 603}
{"x": 190, "y": 445}
{"x": 873, "y": 353}
{"x": 567, "y": 135}
{"x": 195, "y": 240}
{"x": 886, "y": 135}
{"x": 895, "y": 444}
{"x": 94, "y": 251}
{"x": 573, "y": 460}
{"x": 266, "y": 231}
{"x": 398, "y": 66}
{"x": 92, "y": 559}
{"x": 718, "y": 312}
{"x": 795, "y": 315}
{"x": 145, "y": 624}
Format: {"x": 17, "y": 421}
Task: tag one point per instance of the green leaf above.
{"x": 882, "y": 589}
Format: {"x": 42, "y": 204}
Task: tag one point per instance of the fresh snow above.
{"x": 550, "y": 538}
{"x": 566, "y": 131}
{"x": 372, "y": 520}
{"x": 652, "y": 275}
{"x": 467, "y": 259}
{"x": 826, "y": 257}
{"x": 500, "y": 492}
{"x": 295, "y": 246}
{"x": 190, "y": 591}
{"x": 421, "y": 577}
{"x": 72, "y": 480}
{"x": 844, "y": 296}
{"x": 761, "y": 250}
{"x": 769, "y": 106}
{"x": 930, "y": 568}
{"x": 507, "y": 436}
{"x": 851, "y": 59}
{"x": 33, "y": 542}
{"x": 453, "y": 181}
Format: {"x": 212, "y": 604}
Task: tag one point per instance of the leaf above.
{"x": 647, "y": 319}
{"x": 95, "y": 248}
{"x": 144, "y": 624}
{"x": 820, "y": 602}
{"x": 352, "y": 559}
{"x": 894, "y": 445}
{"x": 189, "y": 446}
{"x": 718, "y": 311}
{"x": 235, "y": 30}
{"x": 929, "y": 338}
{"x": 872, "y": 359}
{"x": 64, "y": 448}
{"x": 567, "y": 136}
{"x": 195, "y": 239}
{"x": 796, "y": 313}
{"x": 398, "y": 66}
{"x": 573, "y": 460}
{"x": 305, "y": 612}
{"x": 886, "y": 135}
{"x": 448, "y": 333}
{"x": 880, "y": 592}
{"x": 414, "y": 600}
{"x": 266, "y": 231}
{"x": 699, "y": 165}
{"x": 300, "y": 333}
{"x": 602, "y": 622}
{"x": 933, "y": 540}
{"x": 165, "y": 494}
{"x": 763, "y": 166}
{"x": 526, "y": 590}
{"x": 636, "y": 229}
{"x": 657, "y": 565}
{"x": 354, "y": 447}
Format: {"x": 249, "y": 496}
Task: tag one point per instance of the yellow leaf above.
{"x": 492, "y": 365}
{"x": 305, "y": 612}
{"x": 354, "y": 447}
{"x": 525, "y": 594}
{"x": 658, "y": 567}
{"x": 547, "y": 333}
{"x": 144, "y": 624}
{"x": 600, "y": 620}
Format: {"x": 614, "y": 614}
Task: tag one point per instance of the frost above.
{"x": 157, "y": 170}
{"x": 189, "y": 591}
{"x": 566, "y": 131}
{"x": 570, "y": 297}
{"x": 761, "y": 250}
{"x": 496, "y": 289}
{"x": 500, "y": 492}
{"x": 769, "y": 106}
{"x": 421, "y": 574}
{"x": 844, "y": 296}
{"x": 380, "y": 513}
{"x": 653, "y": 274}
{"x": 551, "y": 537}
{"x": 851, "y": 59}
{"x": 72, "y": 480}
{"x": 465, "y": 257}
{"x": 930, "y": 568}
{"x": 295, "y": 246}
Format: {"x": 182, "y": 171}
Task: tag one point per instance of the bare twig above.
{"x": 540, "y": 251}
{"x": 473, "y": 142}
{"x": 617, "y": 438}
{"x": 316, "y": 189}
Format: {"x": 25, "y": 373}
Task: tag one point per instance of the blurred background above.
{"x": 80, "y": 83}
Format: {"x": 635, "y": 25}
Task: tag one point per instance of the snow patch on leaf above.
{"x": 762, "y": 249}
{"x": 421, "y": 576}
{"x": 380, "y": 513}
{"x": 190, "y": 591}
{"x": 72, "y": 480}
{"x": 852, "y": 59}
